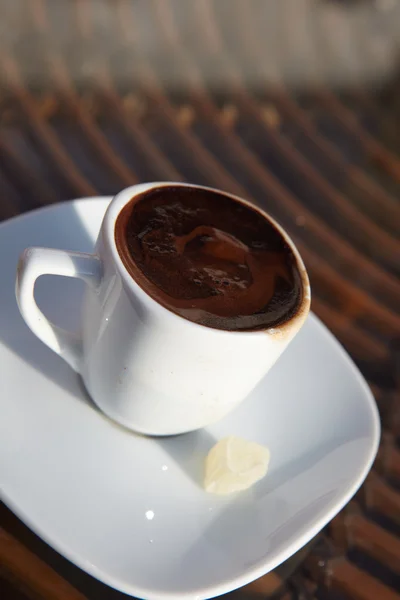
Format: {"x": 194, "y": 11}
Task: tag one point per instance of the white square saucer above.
{"x": 130, "y": 510}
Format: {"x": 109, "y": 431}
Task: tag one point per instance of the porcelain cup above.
{"x": 147, "y": 368}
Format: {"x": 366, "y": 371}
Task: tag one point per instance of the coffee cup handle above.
{"x": 35, "y": 262}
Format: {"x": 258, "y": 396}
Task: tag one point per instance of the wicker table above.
{"x": 292, "y": 104}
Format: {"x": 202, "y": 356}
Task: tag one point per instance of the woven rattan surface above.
{"x": 293, "y": 104}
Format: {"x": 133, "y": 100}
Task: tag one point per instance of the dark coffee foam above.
{"x": 209, "y": 258}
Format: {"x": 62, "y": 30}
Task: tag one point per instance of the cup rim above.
{"x": 108, "y": 230}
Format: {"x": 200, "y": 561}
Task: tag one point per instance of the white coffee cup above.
{"x": 146, "y": 367}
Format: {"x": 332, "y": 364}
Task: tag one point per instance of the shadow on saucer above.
{"x": 188, "y": 451}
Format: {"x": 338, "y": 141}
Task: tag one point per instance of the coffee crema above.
{"x": 209, "y": 258}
